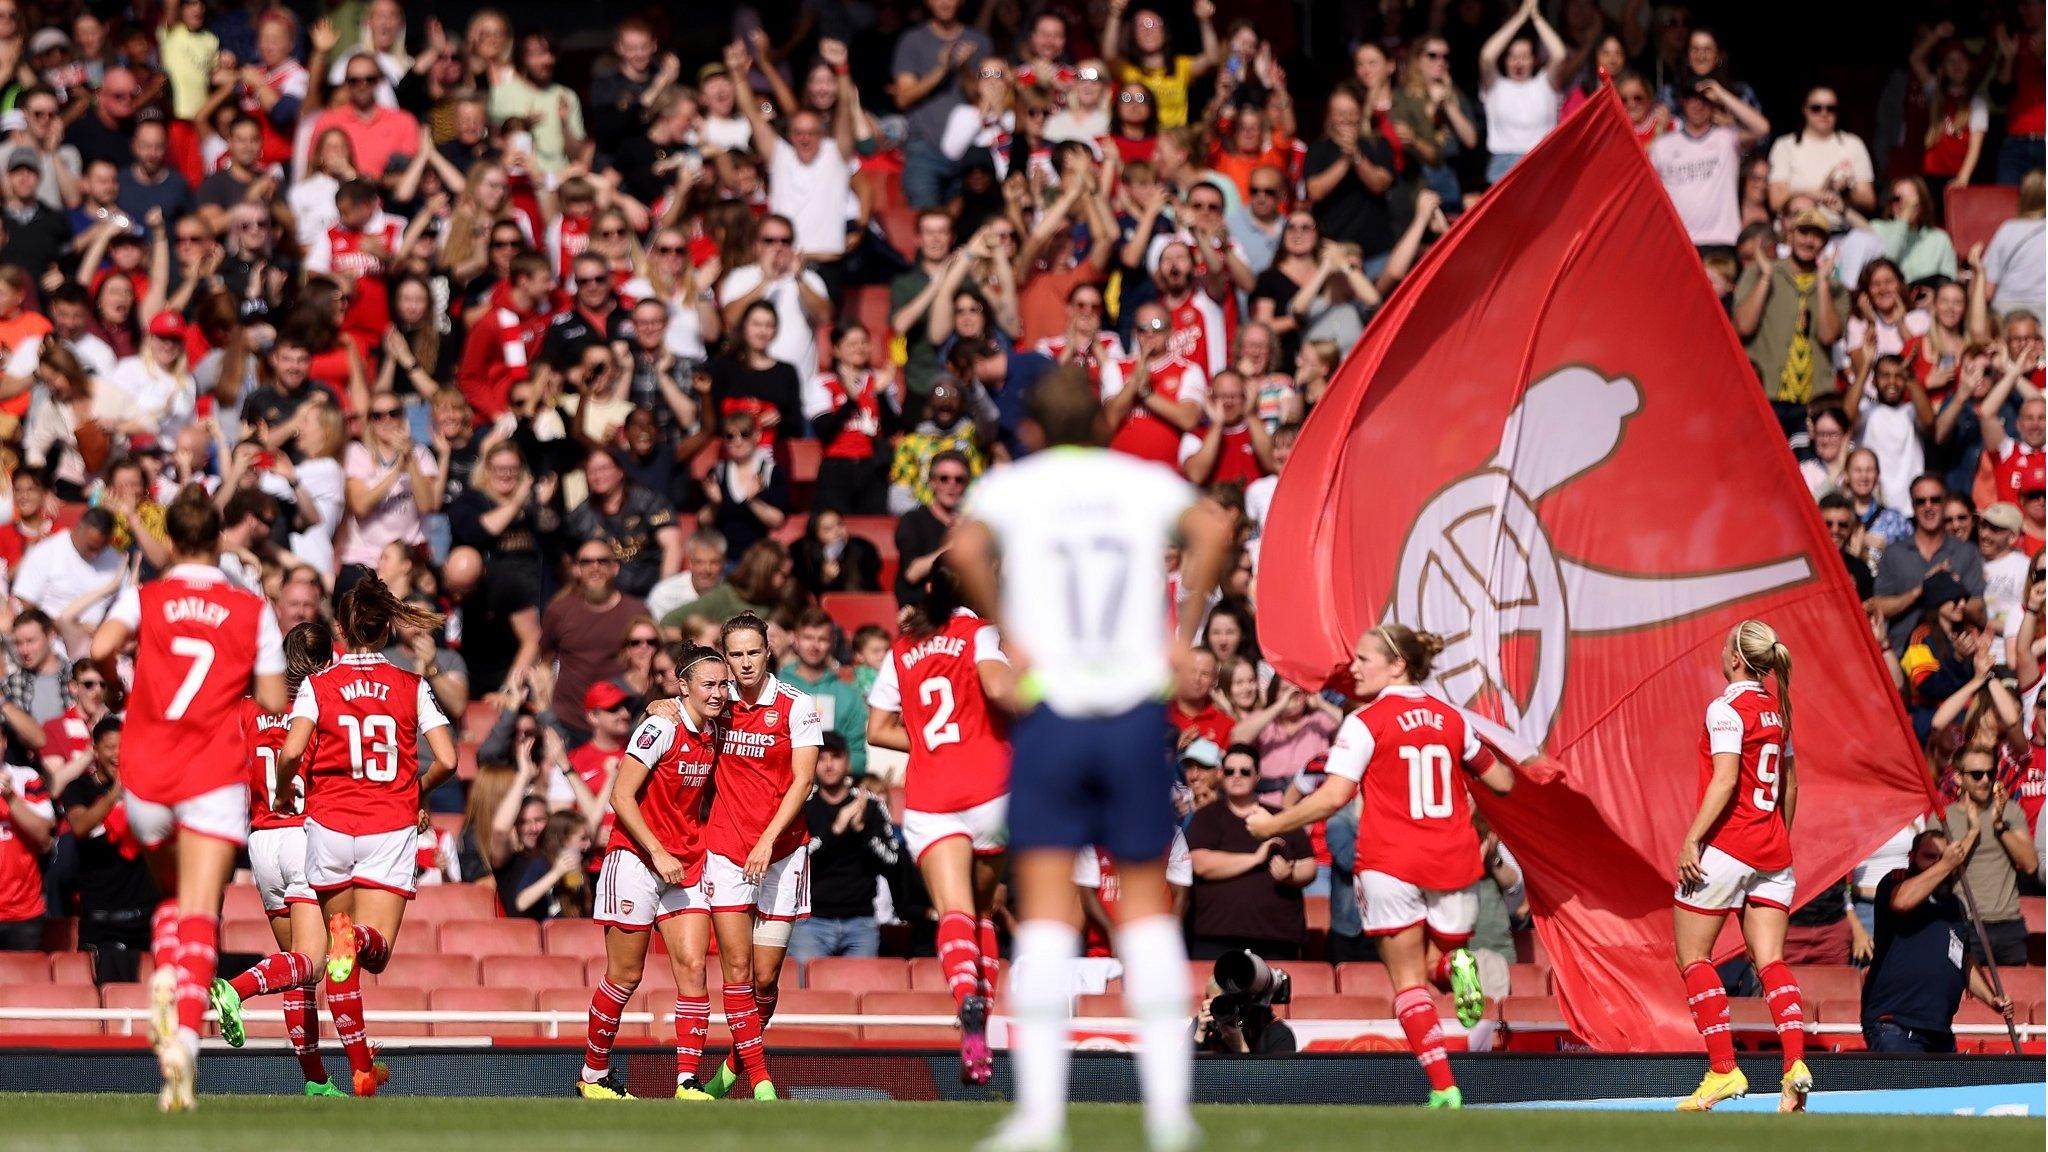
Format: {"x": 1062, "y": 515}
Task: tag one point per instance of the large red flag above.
{"x": 1550, "y": 449}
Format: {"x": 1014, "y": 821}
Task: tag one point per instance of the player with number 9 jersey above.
{"x": 1745, "y": 720}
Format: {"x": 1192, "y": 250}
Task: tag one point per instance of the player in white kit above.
{"x": 1082, "y": 533}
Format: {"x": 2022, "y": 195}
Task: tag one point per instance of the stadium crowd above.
{"x": 594, "y": 366}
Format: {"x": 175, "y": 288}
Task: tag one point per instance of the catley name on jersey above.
{"x": 195, "y": 609}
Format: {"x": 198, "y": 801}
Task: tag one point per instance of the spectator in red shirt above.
{"x": 504, "y": 342}
{"x": 1231, "y": 448}
{"x": 26, "y": 820}
{"x": 610, "y": 711}
{"x": 1193, "y": 713}
{"x": 34, "y": 517}
{"x": 67, "y": 738}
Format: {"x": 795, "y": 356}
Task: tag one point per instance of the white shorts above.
{"x": 630, "y": 896}
{"x": 384, "y": 860}
{"x": 1389, "y": 905}
{"x": 784, "y": 893}
{"x": 986, "y": 827}
{"x": 278, "y": 858}
{"x": 222, "y": 814}
{"x": 1730, "y": 884}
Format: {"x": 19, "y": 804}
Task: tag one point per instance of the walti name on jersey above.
{"x": 1415, "y": 718}
{"x": 197, "y": 609}
{"x": 365, "y": 688}
{"x": 936, "y": 646}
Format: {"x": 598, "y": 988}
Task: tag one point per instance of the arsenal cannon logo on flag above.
{"x": 1550, "y": 449}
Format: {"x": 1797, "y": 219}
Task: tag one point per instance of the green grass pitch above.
{"x": 62, "y": 1122}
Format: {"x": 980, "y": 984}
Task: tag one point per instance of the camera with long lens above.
{"x": 1240, "y": 1015}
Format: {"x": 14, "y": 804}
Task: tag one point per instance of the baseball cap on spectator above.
{"x": 1815, "y": 219}
{"x": 1941, "y": 588}
{"x": 708, "y": 71}
{"x": 23, "y": 157}
{"x": 604, "y": 696}
{"x": 1204, "y": 752}
{"x": 47, "y": 39}
{"x": 167, "y": 324}
{"x": 2003, "y": 515}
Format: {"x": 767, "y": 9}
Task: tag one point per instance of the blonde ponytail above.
{"x": 1756, "y": 644}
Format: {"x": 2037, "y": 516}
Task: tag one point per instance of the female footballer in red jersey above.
{"x": 1418, "y": 855}
{"x": 201, "y": 645}
{"x": 1738, "y": 854}
{"x": 364, "y": 720}
{"x": 757, "y": 867}
{"x": 931, "y": 700}
{"x": 277, "y": 857}
{"x": 650, "y": 876}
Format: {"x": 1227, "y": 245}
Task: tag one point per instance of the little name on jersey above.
{"x": 936, "y": 646}
{"x": 360, "y": 689}
{"x": 754, "y": 744}
{"x": 197, "y": 609}
{"x": 1415, "y": 718}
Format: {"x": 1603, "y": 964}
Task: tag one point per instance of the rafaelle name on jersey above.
{"x": 195, "y": 609}
{"x": 936, "y": 646}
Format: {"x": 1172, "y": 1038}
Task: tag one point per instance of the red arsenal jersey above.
{"x": 1105, "y": 355}
{"x": 679, "y": 758}
{"x": 754, "y": 771}
{"x": 594, "y": 765}
{"x": 21, "y": 877}
{"x": 364, "y": 765}
{"x": 1147, "y": 436}
{"x": 266, "y": 745}
{"x": 856, "y": 439}
{"x": 199, "y": 640}
{"x": 2013, "y": 467}
{"x": 957, "y": 757}
{"x": 1237, "y": 462}
{"x": 1744, "y": 721}
{"x": 1417, "y": 821}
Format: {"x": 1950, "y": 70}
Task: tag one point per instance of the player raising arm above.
{"x": 277, "y": 858}
{"x": 931, "y": 700}
{"x": 1738, "y": 855}
{"x": 364, "y": 720}
{"x": 202, "y": 644}
{"x": 1083, "y": 534}
{"x": 651, "y": 871}
{"x": 1418, "y": 855}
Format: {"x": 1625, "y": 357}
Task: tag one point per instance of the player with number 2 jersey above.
{"x": 1737, "y": 856}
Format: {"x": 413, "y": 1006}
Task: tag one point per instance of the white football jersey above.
{"x": 1083, "y": 533}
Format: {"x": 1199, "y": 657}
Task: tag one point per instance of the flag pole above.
{"x": 1990, "y": 965}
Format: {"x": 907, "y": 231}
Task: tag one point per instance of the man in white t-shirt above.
{"x": 810, "y": 179}
{"x": 799, "y": 296}
{"x": 1701, "y": 163}
{"x": 1830, "y": 165}
{"x": 2005, "y": 568}
{"x": 1892, "y": 426}
{"x": 72, "y": 565}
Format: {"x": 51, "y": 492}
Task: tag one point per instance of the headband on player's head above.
{"x": 683, "y": 672}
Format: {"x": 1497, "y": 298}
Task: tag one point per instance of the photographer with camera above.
{"x": 1247, "y": 892}
{"x": 1236, "y": 1017}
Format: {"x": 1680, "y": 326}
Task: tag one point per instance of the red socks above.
{"x": 373, "y": 951}
{"x": 1417, "y": 1013}
{"x": 960, "y": 956}
{"x": 607, "y": 1004}
{"x": 345, "y": 1004}
{"x": 1782, "y": 992}
{"x": 744, "y": 1020}
{"x": 693, "y": 1020}
{"x": 991, "y": 957}
{"x": 301, "y": 1025}
{"x": 278, "y": 972}
{"x": 198, "y": 954}
{"x": 1709, "y": 1003}
{"x": 163, "y": 935}
{"x": 1440, "y": 972}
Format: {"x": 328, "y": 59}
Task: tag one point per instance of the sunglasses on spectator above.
{"x": 1088, "y": 305}
{"x": 1153, "y": 326}
{"x": 994, "y": 74}
{"x": 775, "y": 241}
{"x": 737, "y": 436}
{"x": 385, "y": 413}
{"x": 1828, "y": 108}
{"x": 1301, "y": 226}
{"x": 642, "y": 642}
{"x": 504, "y": 243}
{"x": 1133, "y": 98}
{"x": 1937, "y": 498}
{"x": 612, "y": 233}
{"x": 949, "y": 478}
{"x": 1439, "y": 54}
{"x": 363, "y": 79}
{"x": 1264, "y": 190}
{"x": 1978, "y": 775}
{"x": 669, "y": 250}
{"x": 588, "y": 561}
{"x": 95, "y": 682}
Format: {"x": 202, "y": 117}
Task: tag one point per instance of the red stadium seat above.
{"x": 868, "y": 306}
{"x": 491, "y": 937}
{"x": 1317, "y": 908}
{"x": 1099, "y": 1005}
{"x": 483, "y": 1000}
{"x": 1836, "y": 1011}
{"x": 927, "y": 976}
{"x": 793, "y": 526}
{"x": 575, "y": 1002}
{"x": 857, "y": 974}
{"x": 804, "y": 458}
{"x": 430, "y": 970}
{"x": 908, "y": 1004}
{"x": 1820, "y": 982}
{"x": 1531, "y": 1010}
{"x": 1751, "y": 1018}
{"x": 70, "y": 968}
{"x": 1340, "y": 1008}
{"x": 854, "y": 610}
{"x": 2034, "y": 910}
{"x": 532, "y": 971}
{"x": 1974, "y": 212}
{"x": 1528, "y": 980}
{"x": 393, "y": 998}
{"x": 250, "y": 937}
{"x": 583, "y": 938}
{"x": 127, "y": 996}
{"x": 1364, "y": 978}
{"x": 1310, "y": 977}
{"x": 44, "y": 994}
{"x": 877, "y": 530}
{"x": 24, "y": 968}
{"x": 444, "y": 902}
{"x": 817, "y": 1002}
{"x": 242, "y": 902}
